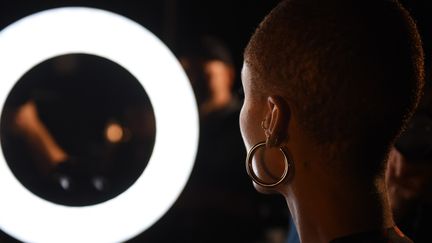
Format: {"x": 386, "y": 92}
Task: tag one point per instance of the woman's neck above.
{"x": 324, "y": 208}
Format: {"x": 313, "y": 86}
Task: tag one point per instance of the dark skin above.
{"x": 325, "y": 204}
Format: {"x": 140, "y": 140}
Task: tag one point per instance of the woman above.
{"x": 328, "y": 86}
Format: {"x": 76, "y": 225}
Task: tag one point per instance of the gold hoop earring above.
{"x": 254, "y": 177}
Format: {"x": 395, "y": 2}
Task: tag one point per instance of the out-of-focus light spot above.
{"x": 114, "y": 132}
{"x": 62, "y": 31}
{"x": 99, "y": 183}
{"x": 64, "y": 182}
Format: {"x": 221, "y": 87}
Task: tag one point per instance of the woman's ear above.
{"x": 276, "y": 121}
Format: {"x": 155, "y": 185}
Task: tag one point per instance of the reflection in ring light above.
{"x": 114, "y": 132}
{"x": 51, "y": 33}
{"x": 54, "y": 131}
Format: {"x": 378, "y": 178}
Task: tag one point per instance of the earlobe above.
{"x": 276, "y": 121}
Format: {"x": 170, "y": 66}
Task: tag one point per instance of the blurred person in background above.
{"x": 409, "y": 176}
{"x": 218, "y": 203}
{"x": 409, "y": 169}
{"x": 77, "y": 130}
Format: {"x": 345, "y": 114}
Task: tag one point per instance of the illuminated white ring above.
{"x": 51, "y": 33}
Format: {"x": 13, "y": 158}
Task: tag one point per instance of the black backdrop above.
{"x": 173, "y": 21}
{"x": 176, "y": 21}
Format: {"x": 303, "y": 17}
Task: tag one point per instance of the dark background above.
{"x": 176, "y": 23}
{"x": 179, "y": 21}
{"x": 173, "y": 21}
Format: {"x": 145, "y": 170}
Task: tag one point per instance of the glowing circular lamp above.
{"x": 55, "y": 32}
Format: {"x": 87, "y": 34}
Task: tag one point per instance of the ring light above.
{"x": 69, "y": 30}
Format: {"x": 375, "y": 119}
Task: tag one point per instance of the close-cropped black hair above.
{"x": 353, "y": 71}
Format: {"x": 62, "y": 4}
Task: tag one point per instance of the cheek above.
{"x": 243, "y": 120}
{"x": 250, "y": 126}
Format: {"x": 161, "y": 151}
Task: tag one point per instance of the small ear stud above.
{"x": 263, "y": 126}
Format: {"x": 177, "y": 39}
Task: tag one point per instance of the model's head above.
{"x": 340, "y": 77}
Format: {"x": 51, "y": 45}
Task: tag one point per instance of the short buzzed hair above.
{"x": 353, "y": 70}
